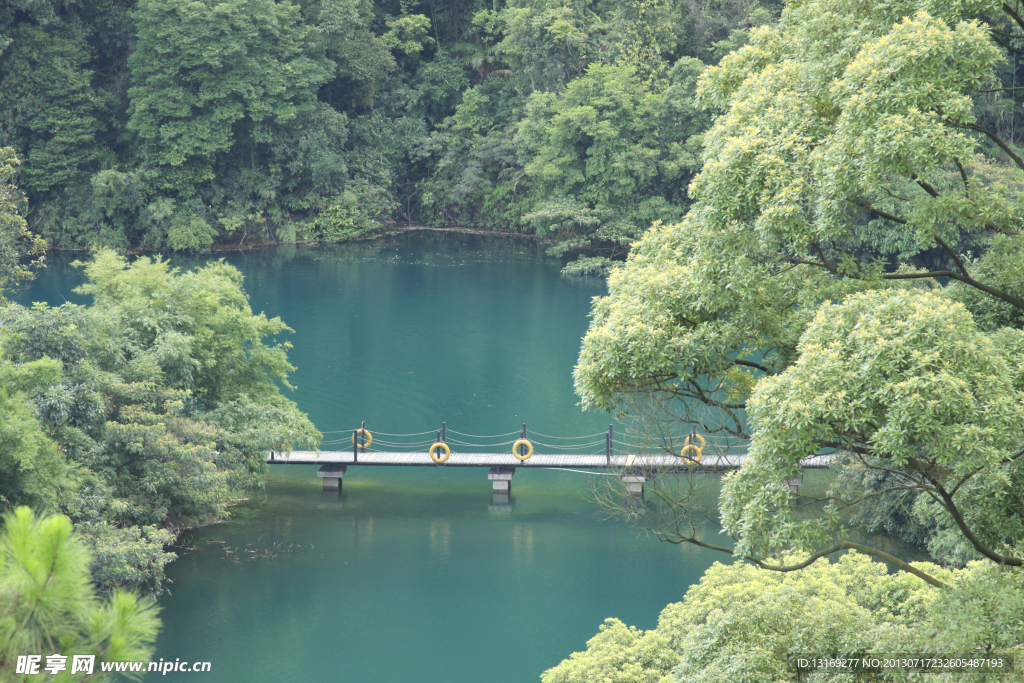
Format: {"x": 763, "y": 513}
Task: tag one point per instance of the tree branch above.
{"x": 954, "y": 511}
{"x": 879, "y": 212}
{"x": 995, "y": 138}
{"x": 929, "y": 472}
{"x": 966, "y": 279}
{"x": 703, "y": 397}
{"x": 821, "y": 254}
{"x": 801, "y": 262}
{"x": 921, "y": 486}
{"x": 814, "y": 557}
{"x": 925, "y": 185}
{"x": 1011, "y": 49}
{"x": 964, "y": 480}
{"x": 953, "y": 255}
{"x": 867, "y": 550}
{"x": 844, "y": 504}
{"x": 752, "y": 364}
{"x": 918, "y": 276}
{"x": 1016, "y": 17}
{"x": 963, "y": 176}
{"x": 1015, "y": 36}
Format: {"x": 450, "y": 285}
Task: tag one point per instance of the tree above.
{"x": 200, "y": 68}
{"x": 162, "y": 398}
{"x": 47, "y": 605}
{"x": 53, "y": 112}
{"x": 16, "y": 241}
{"x": 187, "y": 346}
{"x": 32, "y": 469}
{"x": 844, "y": 166}
{"x": 743, "y": 624}
{"x": 126, "y": 557}
{"x": 181, "y": 124}
{"x": 609, "y": 156}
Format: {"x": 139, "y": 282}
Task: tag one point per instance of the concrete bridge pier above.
{"x": 332, "y": 476}
{"x": 501, "y": 480}
{"x": 634, "y": 484}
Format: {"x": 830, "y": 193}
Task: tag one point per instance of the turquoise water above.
{"x": 413, "y": 574}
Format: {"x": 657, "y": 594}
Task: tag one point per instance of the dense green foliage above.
{"x": 847, "y": 280}
{"x": 744, "y": 624}
{"x": 181, "y": 124}
{"x": 156, "y": 403}
{"x": 48, "y": 605}
{"x": 16, "y": 242}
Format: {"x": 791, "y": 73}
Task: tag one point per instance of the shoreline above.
{"x": 394, "y": 230}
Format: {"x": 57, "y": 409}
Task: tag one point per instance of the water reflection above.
{"x": 522, "y": 542}
{"x": 501, "y": 502}
{"x": 332, "y": 500}
{"x": 440, "y": 541}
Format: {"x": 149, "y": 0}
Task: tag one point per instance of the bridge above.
{"x": 633, "y": 462}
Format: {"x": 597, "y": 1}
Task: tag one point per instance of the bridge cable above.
{"x": 414, "y": 434}
{"x": 548, "y": 436}
{"x": 479, "y": 445}
{"x": 478, "y": 436}
{"x": 565, "y": 469}
{"x": 418, "y": 444}
{"x": 572, "y": 447}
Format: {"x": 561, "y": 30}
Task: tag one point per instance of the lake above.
{"x": 413, "y": 574}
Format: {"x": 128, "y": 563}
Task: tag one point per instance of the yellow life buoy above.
{"x": 447, "y": 452}
{"x": 529, "y": 449}
{"x": 369, "y": 437}
{"x": 690, "y": 448}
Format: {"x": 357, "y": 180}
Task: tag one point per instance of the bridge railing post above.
{"x": 362, "y": 436}
{"x": 355, "y": 446}
{"x": 608, "y": 445}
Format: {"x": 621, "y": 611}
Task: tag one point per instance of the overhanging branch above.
{"x": 752, "y": 364}
{"x": 1016, "y": 17}
{"x": 995, "y": 138}
{"x": 847, "y": 545}
{"x": 814, "y": 557}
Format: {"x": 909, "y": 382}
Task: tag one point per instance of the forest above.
{"x": 181, "y": 125}
{"x": 809, "y": 216}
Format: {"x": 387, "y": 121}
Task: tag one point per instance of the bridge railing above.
{"x": 610, "y": 442}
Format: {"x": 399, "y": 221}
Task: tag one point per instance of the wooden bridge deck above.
{"x": 538, "y": 460}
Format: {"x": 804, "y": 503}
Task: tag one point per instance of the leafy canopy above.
{"x": 202, "y": 67}
{"x": 157, "y": 402}
{"x": 848, "y": 162}
{"x": 743, "y": 624}
{"x": 16, "y": 242}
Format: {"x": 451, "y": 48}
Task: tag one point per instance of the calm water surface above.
{"x": 412, "y": 574}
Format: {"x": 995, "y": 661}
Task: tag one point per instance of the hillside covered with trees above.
{"x": 178, "y": 125}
